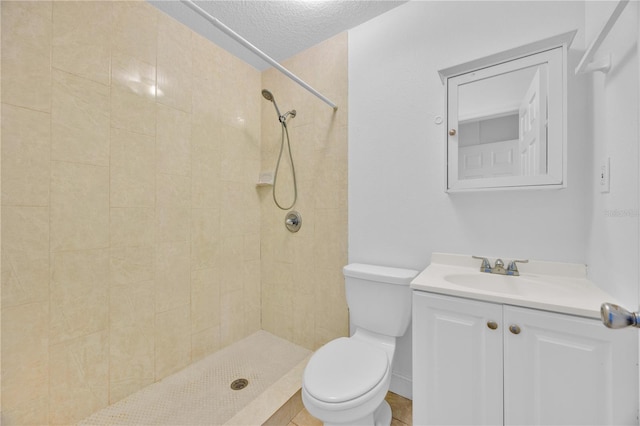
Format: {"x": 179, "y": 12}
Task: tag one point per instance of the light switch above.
{"x": 604, "y": 174}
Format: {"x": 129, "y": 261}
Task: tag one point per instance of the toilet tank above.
{"x": 379, "y": 297}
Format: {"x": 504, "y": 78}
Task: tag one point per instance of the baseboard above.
{"x": 401, "y": 385}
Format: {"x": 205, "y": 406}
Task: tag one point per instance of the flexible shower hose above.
{"x": 293, "y": 169}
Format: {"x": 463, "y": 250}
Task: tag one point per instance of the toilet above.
{"x": 346, "y": 380}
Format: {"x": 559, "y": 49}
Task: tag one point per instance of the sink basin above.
{"x": 491, "y": 282}
{"x": 550, "y": 286}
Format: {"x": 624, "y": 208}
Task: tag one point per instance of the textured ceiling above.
{"x": 280, "y": 29}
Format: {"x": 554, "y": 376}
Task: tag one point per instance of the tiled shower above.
{"x": 134, "y": 238}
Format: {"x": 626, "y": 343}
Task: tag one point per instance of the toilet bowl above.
{"x": 346, "y": 380}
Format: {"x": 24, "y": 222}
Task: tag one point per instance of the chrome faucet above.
{"x": 498, "y": 267}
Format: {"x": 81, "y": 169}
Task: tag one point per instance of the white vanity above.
{"x": 529, "y": 349}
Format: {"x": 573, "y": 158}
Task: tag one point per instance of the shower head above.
{"x": 269, "y": 96}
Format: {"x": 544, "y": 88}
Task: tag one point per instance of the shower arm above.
{"x": 237, "y": 37}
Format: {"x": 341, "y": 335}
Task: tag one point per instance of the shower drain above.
{"x": 239, "y": 384}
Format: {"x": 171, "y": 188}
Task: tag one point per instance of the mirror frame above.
{"x": 552, "y": 51}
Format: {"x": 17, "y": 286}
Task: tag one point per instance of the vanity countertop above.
{"x": 549, "y": 286}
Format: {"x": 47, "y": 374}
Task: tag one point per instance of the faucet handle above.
{"x": 512, "y": 269}
{"x": 486, "y": 266}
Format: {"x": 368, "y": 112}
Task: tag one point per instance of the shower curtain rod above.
{"x": 237, "y": 37}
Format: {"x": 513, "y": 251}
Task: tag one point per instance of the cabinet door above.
{"x": 457, "y": 361}
{"x": 564, "y": 370}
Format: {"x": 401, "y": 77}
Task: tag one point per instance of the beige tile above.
{"x": 25, "y": 255}
{"x": 232, "y": 264}
{"x": 79, "y": 206}
{"x": 79, "y": 293}
{"x": 132, "y": 74}
{"x": 205, "y": 299}
{"x": 132, "y": 227}
{"x": 134, "y": 30}
{"x": 132, "y": 111}
{"x": 173, "y": 341}
{"x": 330, "y": 244}
{"x": 206, "y": 186}
{"x": 232, "y": 209}
{"x": 79, "y": 120}
{"x": 206, "y": 243}
{"x": 132, "y": 338}
{"x": 174, "y": 64}
{"x": 205, "y": 343}
{"x": 81, "y": 38}
{"x": 173, "y": 141}
{"x": 25, "y": 364}
{"x": 131, "y": 265}
{"x": 26, "y": 154}
{"x": 173, "y": 212}
{"x": 331, "y": 306}
{"x": 304, "y": 320}
{"x": 232, "y": 325}
{"x": 79, "y": 384}
{"x": 173, "y": 279}
{"x": 133, "y": 177}
{"x": 26, "y": 57}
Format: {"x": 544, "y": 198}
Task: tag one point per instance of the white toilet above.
{"x": 346, "y": 380}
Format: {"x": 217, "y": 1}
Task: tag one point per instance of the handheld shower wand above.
{"x": 282, "y": 118}
{"x": 283, "y": 124}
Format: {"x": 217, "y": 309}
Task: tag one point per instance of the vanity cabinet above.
{"x": 478, "y": 362}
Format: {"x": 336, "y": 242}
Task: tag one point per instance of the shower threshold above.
{"x": 201, "y": 393}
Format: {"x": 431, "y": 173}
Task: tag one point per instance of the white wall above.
{"x": 613, "y": 231}
{"x": 398, "y": 211}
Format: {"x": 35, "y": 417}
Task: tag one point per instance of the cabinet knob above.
{"x": 452, "y": 132}
{"x": 492, "y": 325}
{"x": 514, "y": 329}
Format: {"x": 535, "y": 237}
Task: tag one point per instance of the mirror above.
{"x": 506, "y": 119}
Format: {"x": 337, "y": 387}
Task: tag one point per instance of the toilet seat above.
{"x": 345, "y": 369}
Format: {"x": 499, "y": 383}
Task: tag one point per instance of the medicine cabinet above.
{"x": 506, "y": 118}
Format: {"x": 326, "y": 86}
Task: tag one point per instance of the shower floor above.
{"x": 201, "y": 394}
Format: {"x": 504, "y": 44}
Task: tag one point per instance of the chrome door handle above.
{"x": 614, "y": 316}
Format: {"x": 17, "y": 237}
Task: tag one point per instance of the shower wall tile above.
{"x": 131, "y": 221}
{"x": 131, "y": 332}
{"x": 172, "y": 275}
{"x": 81, "y": 38}
{"x": 173, "y": 341}
{"x": 26, "y": 153}
{"x": 132, "y": 265}
{"x": 79, "y": 206}
{"x": 25, "y": 364}
{"x": 232, "y": 263}
{"x": 25, "y": 255}
{"x": 134, "y": 30}
{"x": 132, "y": 111}
{"x": 206, "y": 178}
{"x": 173, "y": 212}
{"x": 232, "y": 328}
{"x": 173, "y": 141}
{"x": 205, "y": 343}
{"x": 133, "y": 176}
{"x": 79, "y": 378}
{"x": 79, "y": 120}
{"x": 26, "y": 54}
{"x": 132, "y": 227}
{"x": 205, "y": 299}
{"x": 79, "y": 293}
{"x": 174, "y": 64}
{"x": 206, "y": 245}
{"x": 302, "y": 285}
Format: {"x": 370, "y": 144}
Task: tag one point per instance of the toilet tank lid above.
{"x": 384, "y": 274}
